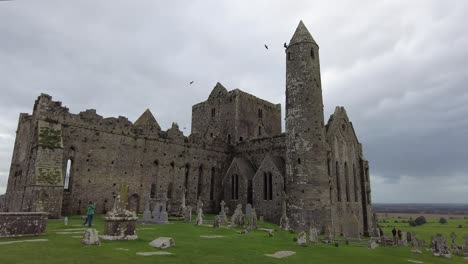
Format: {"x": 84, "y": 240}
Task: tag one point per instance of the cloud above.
{"x": 398, "y": 67}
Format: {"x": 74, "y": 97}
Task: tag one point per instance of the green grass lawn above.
{"x": 191, "y": 248}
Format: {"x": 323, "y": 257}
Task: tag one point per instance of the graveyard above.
{"x": 204, "y": 244}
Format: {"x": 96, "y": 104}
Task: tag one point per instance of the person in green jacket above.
{"x": 90, "y": 214}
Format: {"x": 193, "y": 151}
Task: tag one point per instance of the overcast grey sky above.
{"x": 400, "y": 68}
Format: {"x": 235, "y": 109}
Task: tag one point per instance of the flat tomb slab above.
{"x": 16, "y": 224}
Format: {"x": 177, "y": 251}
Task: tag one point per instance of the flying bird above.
{"x": 266, "y": 47}
{"x": 285, "y": 45}
{"x": 191, "y": 82}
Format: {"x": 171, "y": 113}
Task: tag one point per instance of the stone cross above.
{"x": 222, "y": 214}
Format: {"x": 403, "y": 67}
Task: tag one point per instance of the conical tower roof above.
{"x": 301, "y": 35}
{"x": 147, "y": 119}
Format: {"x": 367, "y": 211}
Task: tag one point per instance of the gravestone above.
{"x": 248, "y": 214}
{"x": 188, "y": 214}
{"x": 222, "y": 214}
{"x": 237, "y": 218}
{"x": 199, "y": 220}
{"x": 120, "y": 223}
{"x": 302, "y": 238}
{"x": 199, "y": 204}
{"x": 373, "y": 244}
{"x": 65, "y": 221}
{"x": 90, "y": 237}
{"x": 252, "y": 220}
{"x": 313, "y": 236}
{"x": 147, "y": 213}
{"x": 404, "y": 238}
{"x": 160, "y": 211}
{"x": 329, "y": 235}
{"x": 216, "y": 221}
{"x": 415, "y": 244}
{"x": 284, "y": 220}
{"x": 439, "y": 245}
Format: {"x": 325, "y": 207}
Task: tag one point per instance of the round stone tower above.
{"x": 306, "y": 150}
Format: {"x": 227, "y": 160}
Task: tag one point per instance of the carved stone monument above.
{"x": 222, "y": 214}
{"x": 147, "y": 213}
{"x": 188, "y": 214}
{"x": 119, "y": 223}
{"x": 313, "y": 236}
{"x": 216, "y": 221}
{"x": 160, "y": 212}
{"x": 415, "y": 244}
{"x": 237, "y": 218}
{"x": 302, "y": 238}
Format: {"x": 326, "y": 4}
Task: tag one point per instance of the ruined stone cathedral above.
{"x": 236, "y": 152}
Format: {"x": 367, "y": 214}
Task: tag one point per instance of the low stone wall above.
{"x": 14, "y": 224}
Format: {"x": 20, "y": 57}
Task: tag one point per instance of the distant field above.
{"x": 414, "y": 215}
{"x": 232, "y": 248}
{"x": 432, "y": 227}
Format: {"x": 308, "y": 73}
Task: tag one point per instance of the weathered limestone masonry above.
{"x": 236, "y": 152}
{"x": 22, "y": 224}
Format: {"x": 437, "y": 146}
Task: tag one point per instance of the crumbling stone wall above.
{"x": 350, "y": 210}
{"x": 235, "y": 116}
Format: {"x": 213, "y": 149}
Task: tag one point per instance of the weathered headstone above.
{"x": 248, "y": 214}
{"x": 65, "y": 221}
{"x": 199, "y": 220}
{"x": 439, "y": 246}
{"x": 222, "y": 214}
{"x": 188, "y": 214}
{"x": 313, "y": 236}
{"x": 216, "y": 221}
{"x": 284, "y": 220}
{"x": 415, "y": 244}
{"x": 147, "y": 213}
{"x": 302, "y": 238}
{"x": 329, "y": 235}
{"x": 162, "y": 242}
{"x": 237, "y": 218}
{"x": 160, "y": 211}
{"x": 253, "y": 224}
{"x": 90, "y": 237}
{"x": 404, "y": 238}
{"x": 199, "y": 204}
{"x": 373, "y": 244}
